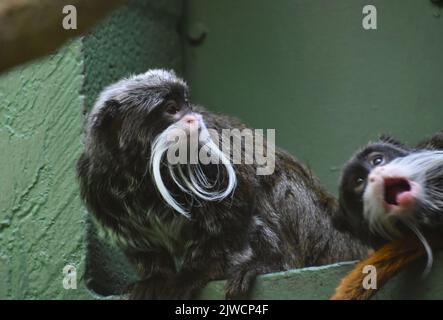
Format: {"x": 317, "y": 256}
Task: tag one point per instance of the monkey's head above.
{"x": 140, "y": 131}
{"x": 387, "y": 189}
{"x": 356, "y": 192}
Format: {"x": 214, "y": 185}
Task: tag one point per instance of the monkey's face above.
{"x": 133, "y": 112}
{"x": 387, "y": 190}
{"x": 360, "y": 194}
{"x": 411, "y": 188}
{"x": 137, "y": 123}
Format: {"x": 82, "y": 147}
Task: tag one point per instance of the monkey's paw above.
{"x": 148, "y": 289}
{"x": 239, "y": 283}
{"x": 178, "y": 289}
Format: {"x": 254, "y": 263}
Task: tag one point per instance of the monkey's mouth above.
{"x": 398, "y": 191}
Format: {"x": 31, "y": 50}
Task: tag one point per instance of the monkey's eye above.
{"x": 359, "y": 183}
{"x": 172, "y": 107}
{"x": 377, "y": 160}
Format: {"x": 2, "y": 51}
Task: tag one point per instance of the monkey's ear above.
{"x": 435, "y": 142}
{"x": 108, "y": 118}
{"x": 389, "y": 139}
{"x": 339, "y": 220}
{"x": 108, "y": 122}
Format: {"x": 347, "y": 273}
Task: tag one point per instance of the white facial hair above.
{"x": 191, "y": 181}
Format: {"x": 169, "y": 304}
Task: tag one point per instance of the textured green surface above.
{"x": 308, "y": 69}
{"x": 41, "y": 216}
{"x": 138, "y": 37}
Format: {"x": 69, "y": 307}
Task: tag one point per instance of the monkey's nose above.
{"x": 374, "y": 177}
{"x": 190, "y": 119}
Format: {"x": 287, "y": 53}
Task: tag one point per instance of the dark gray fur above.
{"x": 271, "y": 223}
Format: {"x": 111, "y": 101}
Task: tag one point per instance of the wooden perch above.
{"x": 33, "y": 28}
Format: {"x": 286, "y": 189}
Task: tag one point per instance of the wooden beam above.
{"x": 33, "y": 28}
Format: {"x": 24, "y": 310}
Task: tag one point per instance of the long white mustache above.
{"x": 423, "y": 167}
{"x": 374, "y": 212}
{"x": 191, "y": 181}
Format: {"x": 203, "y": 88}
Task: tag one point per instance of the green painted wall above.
{"x": 43, "y": 225}
{"x": 308, "y": 69}
{"x": 303, "y": 67}
{"x": 41, "y": 216}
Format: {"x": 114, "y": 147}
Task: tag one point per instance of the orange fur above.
{"x": 388, "y": 261}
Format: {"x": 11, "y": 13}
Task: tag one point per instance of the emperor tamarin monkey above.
{"x": 182, "y": 225}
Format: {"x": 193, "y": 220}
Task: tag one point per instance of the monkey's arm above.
{"x": 202, "y": 263}
{"x": 388, "y": 261}
{"x": 153, "y": 268}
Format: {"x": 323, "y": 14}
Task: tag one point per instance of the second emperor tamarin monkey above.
{"x": 184, "y": 224}
{"x": 391, "y": 197}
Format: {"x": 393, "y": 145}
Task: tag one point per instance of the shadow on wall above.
{"x": 107, "y": 271}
